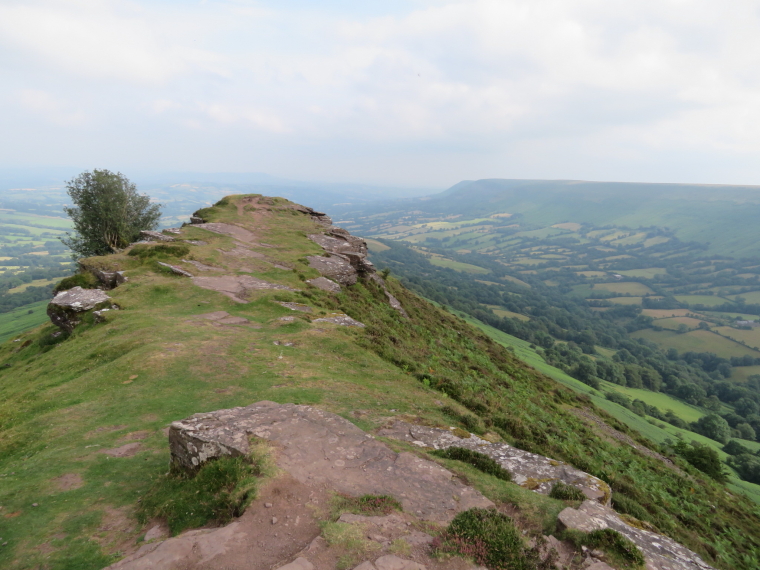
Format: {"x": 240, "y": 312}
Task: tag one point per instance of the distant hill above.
{"x": 723, "y": 216}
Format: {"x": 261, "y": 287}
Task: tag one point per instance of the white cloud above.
{"x": 462, "y": 85}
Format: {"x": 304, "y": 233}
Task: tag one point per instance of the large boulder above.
{"x": 319, "y": 448}
{"x": 68, "y": 307}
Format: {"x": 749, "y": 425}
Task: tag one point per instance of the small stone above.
{"x": 298, "y": 564}
{"x": 268, "y": 505}
{"x": 35, "y": 505}
{"x": 274, "y": 520}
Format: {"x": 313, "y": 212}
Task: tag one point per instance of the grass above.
{"x": 648, "y": 273}
{"x": 35, "y": 283}
{"x": 624, "y": 553}
{"x": 478, "y": 460}
{"x": 750, "y": 337}
{"x": 22, "y": 319}
{"x": 751, "y": 297}
{"x": 741, "y": 373}
{"x": 488, "y": 537}
{"x": 368, "y": 505}
{"x": 665, "y": 313}
{"x": 458, "y": 266}
{"x": 659, "y": 400}
{"x": 217, "y": 493}
{"x": 565, "y": 492}
{"x": 625, "y": 300}
{"x": 624, "y": 288}
{"x": 696, "y": 341}
{"x": 706, "y": 300}
{"x": 673, "y": 323}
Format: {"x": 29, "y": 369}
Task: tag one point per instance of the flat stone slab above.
{"x": 231, "y": 230}
{"x": 321, "y": 448}
{"x": 341, "y": 319}
{"x": 176, "y": 270}
{"x": 325, "y": 284}
{"x": 336, "y": 267}
{"x": 660, "y": 552}
{"x": 224, "y": 318}
{"x": 236, "y": 287}
{"x": 529, "y": 470}
{"x": 200, "y": 266}
{"x": 296, "y": 307}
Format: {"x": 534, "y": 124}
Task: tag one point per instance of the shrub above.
{"x": 733, "y": 447}
{"x": 611, "y": 541}
{"x": 487, "y": 536}
{"x": 370, "y": 505}
{"x": 478, "y": 460}
{"x": 145, "y": 251}
{"x": 566, "y": 492}
{"x": 85, "y": 280}
{"x": 217, "y": 492}
{"x": 702, "y": 457}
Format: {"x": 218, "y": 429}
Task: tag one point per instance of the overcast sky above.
{"x": 415, "y": 92}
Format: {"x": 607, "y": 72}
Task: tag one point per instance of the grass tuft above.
{"x": 218, "y": 492}
{"x": 566, "y": 492}
{"x": 368, "y": 505}
{"x": 480, "y": 461}
{"x": 623, "y": 552}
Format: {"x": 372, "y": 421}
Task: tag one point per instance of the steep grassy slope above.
{"x": 64, "y": 401}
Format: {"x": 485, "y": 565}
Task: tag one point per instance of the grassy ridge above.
{"x": 64, "y": 401}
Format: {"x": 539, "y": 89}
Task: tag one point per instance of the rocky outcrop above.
{"x": 660, "y": 552}
{"x": 68, "y": 307}
{"x": 147, "y": 235}
{"x": 347, "y": 256}
{"x": 340, "y": 319}
{"x": 325, "y": 284}
{"x": 535, "y": 472}
{"x": 237, "y": 287}
{"x": 321, "y": 448}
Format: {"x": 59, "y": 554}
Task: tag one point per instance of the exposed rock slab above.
{"x": 661, "y": 552}
{"x": 147, "y": 235}
{"x": 223, "y": 318}
{"x": 529, "y": 470}
{"x": 335, "y": 267}
{"x": 67, "y": 307}
{"x": 176, "y": 270}
{"x": 200, "y": 266}
{"x": 231, "y": 230}
{"x": 325, "y": 284}
{"x": 296, "y": 307}
{"x": 236, "y": 287}
{"x": 343, "y": 320}
{"x": 322, "y": 448}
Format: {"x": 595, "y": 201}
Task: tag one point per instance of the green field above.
{"x": 20, "y": 320}
{"x": 624, "y": 288}
{"x": 625, "y": 300}
{"x": 673, "y": 323}
{"x": 659, "y": 400}
{"x": 741, "y": 373}
{"x": 750, "y": 337}
{"x": 696, "y": 341}
{"x": 648, "y": 273}
{"x": 706, "y": 300}
{"x": 458, "y": 265}
{"x": 751, "y": 297}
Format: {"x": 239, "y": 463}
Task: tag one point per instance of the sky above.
{"x": 416, "y": 92}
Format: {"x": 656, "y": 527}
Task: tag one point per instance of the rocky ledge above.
{"x": 68, "y": 307}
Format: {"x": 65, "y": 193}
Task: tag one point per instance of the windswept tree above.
{"x": 108, "y": 213}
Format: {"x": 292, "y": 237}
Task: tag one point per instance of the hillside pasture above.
{"x": 510, "y": 314}
{"x": 751, "y": 297}
{"x": 741, "y": 373}
{"x": 750, "y": 337}
{"x": 21, "y": 319}
{"x": 659, "y": 400}
{"x": 666, "y": 313}
{"x": 624, "y": 288}
{"x": 706, "y": 300}
{"x": 458, "y": 266}
{"x": 375, "y": 246}
{"x": 572, "y": 226}
{"x": 592, "y": 274}
{"x": 696, "y": 341}
{"x": 625, "y": 300}
{"x": 35, "y": 283}
{"x": 648, "y": 273}
{"x": 516, "y": 281}
{"x": 674, "y": 323}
